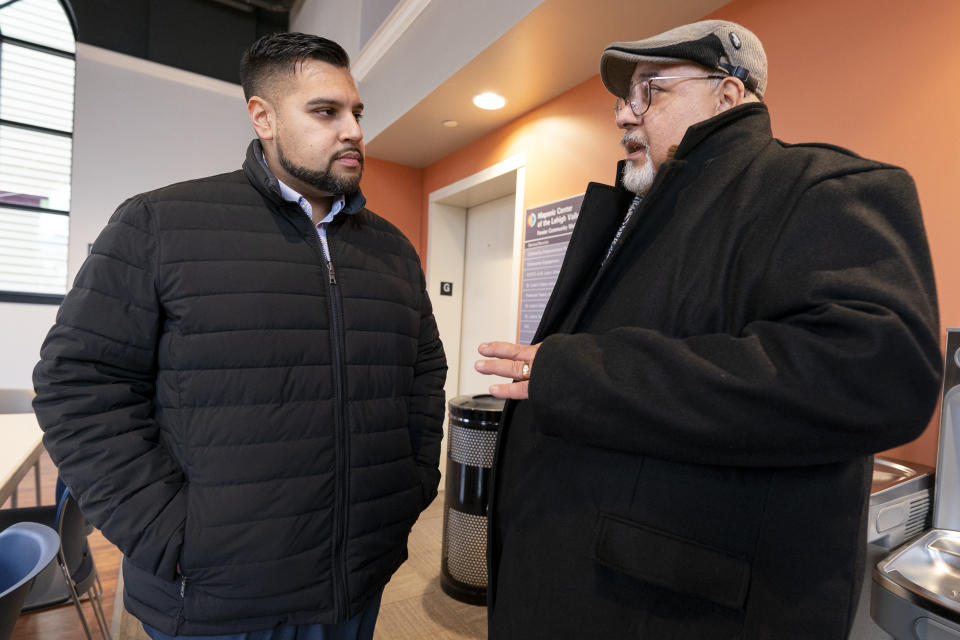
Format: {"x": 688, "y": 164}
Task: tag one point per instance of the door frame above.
{"x": 446, "y": 237}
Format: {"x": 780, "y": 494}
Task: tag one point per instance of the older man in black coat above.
{"x": 738, "y": 325}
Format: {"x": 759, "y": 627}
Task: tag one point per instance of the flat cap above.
{"x": 716, "y": 44}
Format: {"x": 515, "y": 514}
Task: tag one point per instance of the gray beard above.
{"x": 326, "y": 181}
{"x": 638, "y": 180}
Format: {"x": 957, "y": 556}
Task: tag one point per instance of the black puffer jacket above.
{"x": 257, "y": 439}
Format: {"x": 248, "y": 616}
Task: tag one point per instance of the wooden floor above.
{"x": 413, "y": 608}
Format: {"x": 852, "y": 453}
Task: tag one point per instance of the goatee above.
{"x": 327, "y": 180}
{"x": 637, "y": 179}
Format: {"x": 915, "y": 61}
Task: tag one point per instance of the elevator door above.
{"x": 488, "y": 256}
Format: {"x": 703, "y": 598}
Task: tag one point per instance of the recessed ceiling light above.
{"x": 489, "y": 100}
{"x": 450, "y": 123}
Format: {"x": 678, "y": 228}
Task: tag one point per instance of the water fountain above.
{"x": 916, "y": 589}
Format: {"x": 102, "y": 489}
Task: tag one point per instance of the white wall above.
{"x": 338, "y": 21}
{"x": 138, "y": 125}
{"x": 141, "y": 125}
{"x": 22, "y": 330}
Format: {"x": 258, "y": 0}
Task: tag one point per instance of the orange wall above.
{"x": 394, "y": 192}
{"x": 568, "y": 142}
{"x": 877, "y": 76}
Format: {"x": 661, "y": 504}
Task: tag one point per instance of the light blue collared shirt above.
{"x": 292, "y": 196}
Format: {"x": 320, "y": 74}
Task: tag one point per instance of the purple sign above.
{"x": 547, "y": 231}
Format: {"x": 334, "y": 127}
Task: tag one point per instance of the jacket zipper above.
{"x": 183, "y": 601}
{"x": 341, "y": 442}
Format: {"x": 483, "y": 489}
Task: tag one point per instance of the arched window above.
{"x": 37, "y": 74}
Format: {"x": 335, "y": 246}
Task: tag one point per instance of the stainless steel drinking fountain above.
{"x": 916, "y": 589}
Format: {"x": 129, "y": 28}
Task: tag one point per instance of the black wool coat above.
{"x": 694, "y": 459}
{"x": 255, "y": 432}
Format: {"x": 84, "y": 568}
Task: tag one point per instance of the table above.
{"x": 21, "y": 443}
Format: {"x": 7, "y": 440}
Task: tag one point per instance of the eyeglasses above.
{"x": 639, "y": 92}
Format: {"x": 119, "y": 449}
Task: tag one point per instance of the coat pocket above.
{"x": 671, "y": 562}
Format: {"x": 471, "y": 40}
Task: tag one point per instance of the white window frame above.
{"x": 20, "y": 296}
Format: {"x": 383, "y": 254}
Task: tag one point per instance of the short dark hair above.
{"x": 279, "y": 54}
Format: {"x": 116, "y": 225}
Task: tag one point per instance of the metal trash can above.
{"x": 471, "y": 443}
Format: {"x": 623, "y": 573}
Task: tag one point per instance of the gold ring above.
{"x": 525, "y": 371}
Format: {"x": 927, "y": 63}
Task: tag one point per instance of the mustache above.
{"x": 635, "y": 137}
{"x": 346, "y": 150}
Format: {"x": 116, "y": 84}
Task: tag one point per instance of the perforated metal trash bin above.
{"x": 472, "y": 440}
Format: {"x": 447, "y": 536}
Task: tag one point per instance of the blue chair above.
{"x": 75, "y": 574}
{"x": 49, "y": 588}
{"x": 26, "y": 549}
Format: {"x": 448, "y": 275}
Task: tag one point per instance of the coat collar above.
{"x": 603, "y": 206}
{"x": 267, "y": 184}
{"x": 748, "y": 121}
{"x": 716, "y": 134}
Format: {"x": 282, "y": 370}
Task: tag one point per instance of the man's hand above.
{"x": 513, "y": 361}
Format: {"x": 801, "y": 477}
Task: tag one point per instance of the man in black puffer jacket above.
{"x": 244, "y": 386}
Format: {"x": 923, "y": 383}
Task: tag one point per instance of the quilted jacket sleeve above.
{"x": 838, "y": 355}
{"x": 95, "y": 392}
{"x": 426, "y": 408}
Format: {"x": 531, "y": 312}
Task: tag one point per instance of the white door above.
{"x": 487, "y": 290}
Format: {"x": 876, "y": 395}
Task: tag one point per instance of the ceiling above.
{"x": 422, "y": 66}
{"x": 202, "y": 36}
{"x": 555, "y": 47}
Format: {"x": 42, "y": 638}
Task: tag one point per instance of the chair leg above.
{"x": 73, "y": 595}
{"x": 96, "y": 601}
{"x": 36, "y": 479}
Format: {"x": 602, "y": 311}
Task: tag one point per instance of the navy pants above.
{"x": 359, "y": 627}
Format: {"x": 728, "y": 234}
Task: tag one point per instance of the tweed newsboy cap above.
{"x": 717, "y": 44}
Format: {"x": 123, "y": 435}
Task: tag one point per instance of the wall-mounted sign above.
{"x": 547, "y": 231}
{"x": 446, "y": 288}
